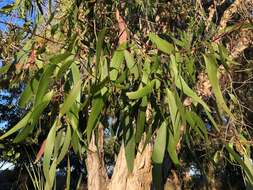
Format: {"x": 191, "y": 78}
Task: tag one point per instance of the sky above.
{"x": 6, "y": 18}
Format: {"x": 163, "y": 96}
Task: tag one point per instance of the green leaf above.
{"x": 49, "y": 150}
{"x": 130, "y": 152}
{"x": 182, "y": 85}
{"x": 141, "y": 92}
{"x": 71, "y": 98}
{"x": 160, "y": 144}
{"x": 25, "y": 96}
{"x": 174, "y": 113}
{"x": 75, "y": 142}
{"x": 52, "y": 173}
{"x": 65, "y": 146}
{"x": 97, "y": 106}
{"x": 117, "y": 60}
{"x": 30, "y": 90}
{"x": 239, "y": 159}
{"x": 43, "y": 84}
{"x": 5, "y": 68}
{"x": 172, "y": 149}
{"x": 63, "y": 69}
{"x": 68, "y": 175}
{"x": 161, "y": 44}
{"x": 197, "y": 124}
{"x": 130, "y": 62}
{"x": 99, "y": 45}
{"x": 140, "y": 124}
{"x": 59, "y": 58}
{"x": 211, "y": 67}
{"x": 21, "y": 124}
{"x": 129, "y": 59}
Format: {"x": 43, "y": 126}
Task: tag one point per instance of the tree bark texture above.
{"x": 139, "y": 179}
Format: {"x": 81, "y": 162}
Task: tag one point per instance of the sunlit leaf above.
{"x": 22, "y": 123}
{"x": 141, "y": 92}
{"x": 211, "y": 67}
{"x": 161, "y": 44}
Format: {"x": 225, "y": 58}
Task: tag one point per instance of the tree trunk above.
{"x": 139, "y": 179}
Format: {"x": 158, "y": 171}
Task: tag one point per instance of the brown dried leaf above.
{"x": 122, "y": 28}
{"x": 41, "y": 151}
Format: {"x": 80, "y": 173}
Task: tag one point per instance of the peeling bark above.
{"x": 139, "y": 179}
{"x": 97, "y": 176}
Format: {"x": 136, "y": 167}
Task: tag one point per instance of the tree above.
{"x": 150, "y": 102}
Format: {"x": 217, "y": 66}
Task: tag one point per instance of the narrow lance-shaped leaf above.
{"x": 97, "y": 106}
{"x": 144, "y": 91}
{"x": 43, "y": 83}
{"x": 65, "y": 145}
{"x": 30, "y": 90}
{"x": 99, "y": 45}
{"x": 68, "y": 175}
{"x": 18, "y": 126}
{"x": 71, "y": 98}
{"x": 130, "y": 152}
{"x": 49, "y": 147}
{"x": 161, "y": 44}
{"x": 41, "y": 151}
{"x": 160, "y": 144}
{"x": 5, "y": 68}
{"x": 172, "y": 148}
{"x": 211, "y": 67}
{"x": 59, "y": 58}
{"x": 239, "y": 159}
{"x": 36, "y": 113}
{"x": 117, "y": 60}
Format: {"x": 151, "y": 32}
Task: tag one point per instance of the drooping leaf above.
{"x": 5, "y": 68}
{"x": 172, "y": 148}
{"x": 22, "y": 123}
{"x": 68, "y": 175}
{"x": 211, "y": 67}
{"x": 64, "y": 67}
{"x": 71, "y": 98}
{"x": 117, "y": 60}
{"x": 161, "y": 44}
{"x": 130, "y": 152}
{"x": 30, "y": 90}
{"x": 65, "y": 146}
{"x": 99, "y": 45}
{"x": 97, "y": 106}
{"x": 160, "y": 144}
{"x": 43, "y": 84}
{"x": 140, "y": 124}
{"x": 141, "y": 92}
{"x": 239, "y": 159}
{"x": 41, "y": 151}
{"x": 59, "y": 58}
{"x": 49, "y": 147}
{"x": 130, "y": 62}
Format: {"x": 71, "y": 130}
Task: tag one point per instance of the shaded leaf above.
{"x": 97, "y": 106}
{"x": 160, "y": 144}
